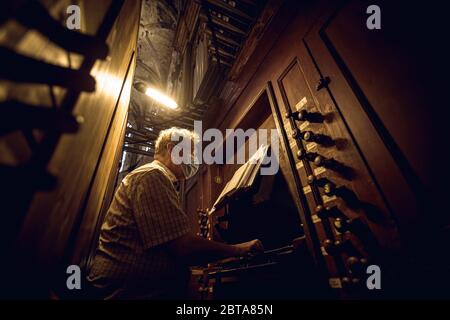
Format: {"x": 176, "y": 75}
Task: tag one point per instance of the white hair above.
{"x": 174, "y": 135}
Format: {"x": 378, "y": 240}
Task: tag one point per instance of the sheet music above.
{"x": 244, "y": 177}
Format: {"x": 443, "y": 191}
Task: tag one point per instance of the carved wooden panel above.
{"x": 299, "y": 93}
{"x": 380, "y": 83}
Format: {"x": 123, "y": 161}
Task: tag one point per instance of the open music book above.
{"x": 243, "y": 178}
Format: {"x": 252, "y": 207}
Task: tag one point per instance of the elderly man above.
{"x": 145, "y": 243}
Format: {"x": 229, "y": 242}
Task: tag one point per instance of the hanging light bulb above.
{"x": 156, "y": 95}
{"x": 161, "y": 98}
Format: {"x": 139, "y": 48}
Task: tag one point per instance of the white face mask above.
{"x": 190, "y": 169}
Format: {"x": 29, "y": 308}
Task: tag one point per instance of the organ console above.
{"x": 342, "y": 187}
{"x": 282, "y": 272}
{"x": 244, "y": 219}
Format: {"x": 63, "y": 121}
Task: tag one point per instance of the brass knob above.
{"x": 318, "y": 160}
{"x": 330, "y": 247}
{"x": 329, "y": 188}
{"x": 339, "y": 225}
{"x": 307, "y": 136}
{"x": 356, "y": 265}
{"x": 320, "y": 210}
{"x": 346, "y": 281}
{"x": 302, "y": 115}
{"x": 352, "y": 260}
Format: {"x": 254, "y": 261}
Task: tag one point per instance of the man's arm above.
{"x": 162, "y": 222}
{"x": 196, "y": 249}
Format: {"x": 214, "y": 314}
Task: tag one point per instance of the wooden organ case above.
{"x": 351, "y": 108}
{"x": 286, "y": 265}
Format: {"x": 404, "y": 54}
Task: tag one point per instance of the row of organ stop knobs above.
{"x": 356, "y": 262}
{"x": 203, "y": 223}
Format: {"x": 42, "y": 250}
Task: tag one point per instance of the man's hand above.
{"x": 195, "y": 249}
{"x": 249, "y": 247}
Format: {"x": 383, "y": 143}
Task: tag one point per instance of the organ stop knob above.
{"x": 329, "y": 163}
{"x": 309, "y": 136}
{"x": 328, "y": 186}
{"x": 328, "y": 212}
{"x": 319, "y": 138}
{"x": 310, "y": 156}
{"x": 303, "y": 115}
{"x": 356, "y": 265}
{"x": 336, "y": 247}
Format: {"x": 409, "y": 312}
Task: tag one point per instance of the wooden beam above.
{"x": 224, "y": 7}
{"x": 223, "y": 53}
{"x": 170, "y": 122}
{"x": 133, "y": 140}
{"x": 225, "y": 39}
{"x": 147, "y": 135}
{"x": 228, "y": 26}
{"x": 136, "y": 144}
{"x": 138, "y": 151}
{"x": 254, "y": 37}
{"x": 150, "y": 123}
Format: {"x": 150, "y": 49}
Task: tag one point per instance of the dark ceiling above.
{"x": 155, "y": 46}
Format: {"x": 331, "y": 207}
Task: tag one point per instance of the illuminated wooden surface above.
{"x": 84, "y": 163}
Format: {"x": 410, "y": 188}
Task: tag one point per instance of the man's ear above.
{"x": 169, "y": 149}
